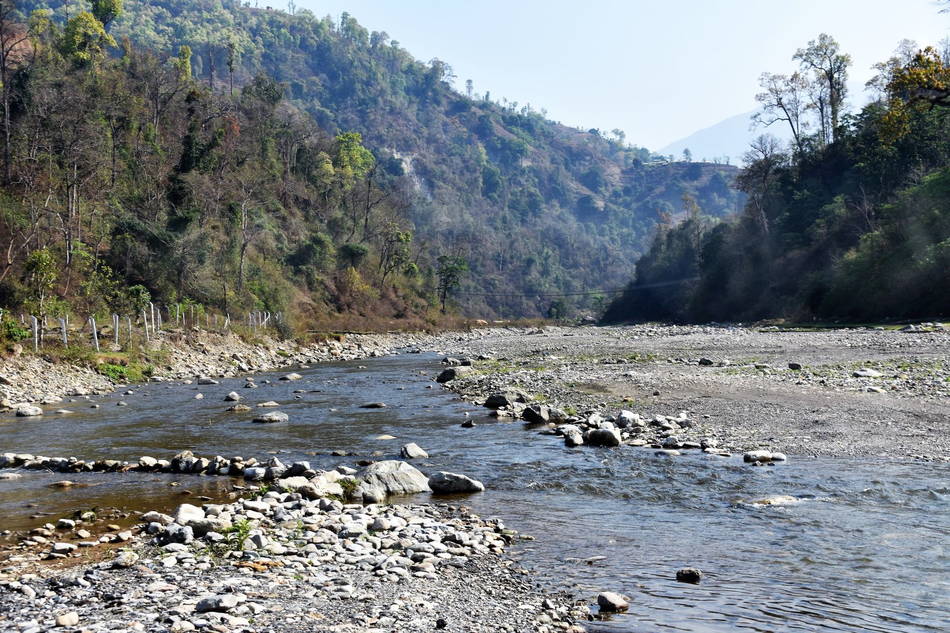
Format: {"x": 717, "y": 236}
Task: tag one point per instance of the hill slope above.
{"x": 534, "y": 206}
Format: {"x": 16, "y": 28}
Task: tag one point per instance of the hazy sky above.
{"x": 659, "y": 70}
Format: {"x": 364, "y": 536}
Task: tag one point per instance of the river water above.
{"x": 865, "y": 546}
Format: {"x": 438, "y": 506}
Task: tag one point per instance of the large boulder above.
{"x": 505, "y": 399}
{"x": 572, "y": 435}
{"x": 451, "y": 373}
{"x": 603, "y": 437}
{"x": 390, "y": 477}
{"x": 452, "y": 483}
{"x": 536, "y": 414}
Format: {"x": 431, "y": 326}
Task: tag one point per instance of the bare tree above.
{"x": 784, "y": 99}
{"x": 14, "y": 49}
{"x": 762, "y": 163}
{"x": 830, "y": 66}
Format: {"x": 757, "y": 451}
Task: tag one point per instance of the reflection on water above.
{"x": 864, "y": 549}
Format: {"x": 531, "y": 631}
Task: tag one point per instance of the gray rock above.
{"x": 795, "y": 366}
{"x": 451, "y": 483}
{"x": 603, "y": 437}
{"x": 63, "y": 548}
{"x": 690, "y": 575}
{"x": 505, "y": 398}
{"x": 234, "y": 396}
{"x": 221, "y": 604}
{"x": 205, "y": 380}
{"x": 451, "y": 373}
{"x": 390, "y": 477}
{"x": 271, "y": 417}
{"x": 867, "y": 372}
{"x": 757, "y": 456}
{"x": 610, "y": 602}
{"x": 536, "y": 414}
{"x": 291, "y": 376}
{"x": 412, "y": 451}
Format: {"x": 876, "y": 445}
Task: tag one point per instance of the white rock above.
{"x": 271, "y": 417}
{"x": 67, "y": 619}
{"x": 28, "y": 410}
{"x": 413, "y": 451}
{"x": 187, "y": 513}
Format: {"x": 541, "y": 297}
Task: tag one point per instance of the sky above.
{"x": 656, "y": 70}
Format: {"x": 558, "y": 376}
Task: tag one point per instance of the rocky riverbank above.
{"x": 282, "y": 562}
{"x": 871, "y": 392}
{"x": 40, "y": 379}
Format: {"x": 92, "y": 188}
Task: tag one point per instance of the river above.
{"x": 864, "y": 546}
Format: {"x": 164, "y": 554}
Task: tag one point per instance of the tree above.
{"x": 41, "y": 272}
{"x": 687, "y": 155}
{"x": 106, "y": 10}
{"x": 829, "y": 66}
{"x": 449, "y": 270}
{"x": 784, "y": 98}
{"x": 762, "y": 164}
{"x": 85, "y": 39}
{"x": 14, "y": 48}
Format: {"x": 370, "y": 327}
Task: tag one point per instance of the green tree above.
{"x": 106, "y": 10}
{"x": 41, "y": 271}
{"x": 449, "y": 271}
{"x": 85, "y": 39}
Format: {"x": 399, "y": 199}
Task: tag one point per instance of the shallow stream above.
{"x": 865, "y": 545}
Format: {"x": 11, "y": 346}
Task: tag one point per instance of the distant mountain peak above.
{"x": 725, "y": 141}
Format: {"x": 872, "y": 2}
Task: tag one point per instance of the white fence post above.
{"x": 36, "y": 333}
{"x": 62, "y": 328}
{"x": 95, "y": 333}
{"x": 145, "y": 321}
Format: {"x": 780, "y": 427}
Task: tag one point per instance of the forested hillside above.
{"x": 850, "y": 221}
{"x": 534, "y": 207}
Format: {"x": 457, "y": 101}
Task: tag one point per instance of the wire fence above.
{"x": 150, "y": 324}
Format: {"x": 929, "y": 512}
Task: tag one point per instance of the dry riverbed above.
{"x": 282, "y": 562}
{"x": 854, "y": 392}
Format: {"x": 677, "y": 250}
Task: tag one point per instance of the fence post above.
{"x": 129, "y": 323}
{"x": 62, "y": 327}
{"x": 95, "y": 333}
{"x": 115, "y": 326}
{"x": 145, "y": 321}
{"x": 36, "y": 333}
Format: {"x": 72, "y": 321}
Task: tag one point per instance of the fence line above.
{"x": 151, "y": 324}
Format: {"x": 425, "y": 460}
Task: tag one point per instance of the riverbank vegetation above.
{"x": 237, "y": 156}
{"x": 850, "y": 221}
